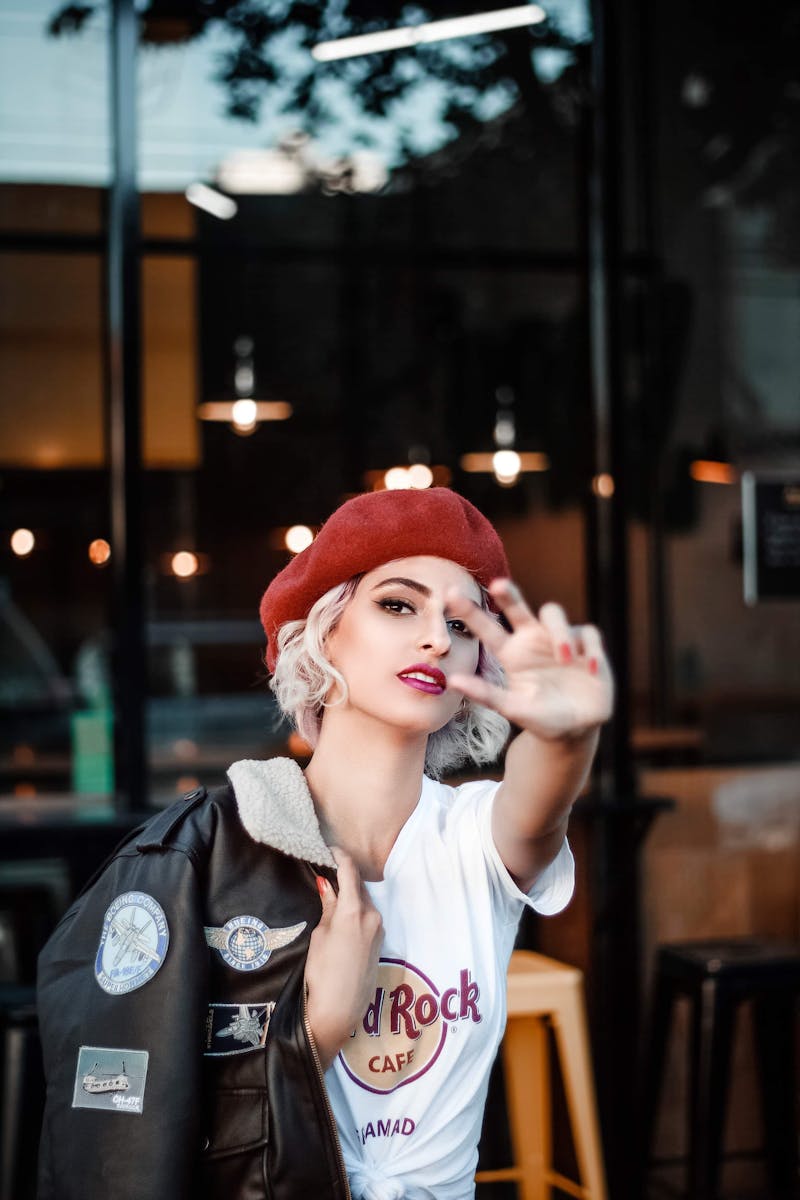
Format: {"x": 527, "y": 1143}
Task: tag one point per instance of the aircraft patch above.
{"x": 236, "y": 1028}
{"x": 133, "y": 943}
{"x": 245, "y": 943}
{"x": 110, "y": 1078}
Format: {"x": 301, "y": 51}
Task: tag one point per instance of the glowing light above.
{"x": 266, "y": 410}
{"x": 478, "y": 463}
{"x": 420, "y": 475}
{"x": 244, "y": 415}
{"x": 99, "y": 552}
{"x": 186, "y": 783}
{"x": 603, "y": 485}
{"x": 184, "y": 564}
{"x": 396, "y": 478}
{"x": 22, "y": 542}
{"x": 298, "y": 537}
{"x": 706, "y": 470}
{"x": 211, "y": 201}
{"x": 506, "y": 465}
{"x": 432, "y": 31}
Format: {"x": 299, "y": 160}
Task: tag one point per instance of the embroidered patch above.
{"x": 236, "y": 1028}
{"x": 110, "y": 1078}
{"x": 133, "y": 943}
{"x": 246, "y": 943}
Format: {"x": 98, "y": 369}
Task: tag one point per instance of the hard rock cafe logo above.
{"x": 404, "y": 1028}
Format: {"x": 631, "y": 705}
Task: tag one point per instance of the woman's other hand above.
{"x": 342, "y": 963}
{"x": 558, "y": 680}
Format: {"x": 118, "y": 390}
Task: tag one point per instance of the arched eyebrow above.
{"x": 409, "y": 583}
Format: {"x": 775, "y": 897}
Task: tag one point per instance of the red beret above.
{"x": 375, "y": 528}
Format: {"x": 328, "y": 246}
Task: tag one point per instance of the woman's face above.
{"x": 396, "y": 643}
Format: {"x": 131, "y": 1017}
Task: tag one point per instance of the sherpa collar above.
{"x": 276, "y": 808}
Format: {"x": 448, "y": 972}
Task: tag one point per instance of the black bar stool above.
{"x": 717, "y": 976}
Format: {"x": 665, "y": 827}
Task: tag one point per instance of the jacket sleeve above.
{"x": 122, "y": 997}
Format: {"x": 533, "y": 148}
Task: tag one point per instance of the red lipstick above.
{"x": 424, "y": 679}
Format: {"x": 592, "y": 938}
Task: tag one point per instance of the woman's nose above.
{"x": 435, "y": 636}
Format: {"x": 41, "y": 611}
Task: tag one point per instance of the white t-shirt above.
{"x": 408, "y": 1090}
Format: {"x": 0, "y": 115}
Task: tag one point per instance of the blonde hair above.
{"x": 304, "y": 677}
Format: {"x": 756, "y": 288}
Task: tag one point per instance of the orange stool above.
{"x": 542, "y": 994}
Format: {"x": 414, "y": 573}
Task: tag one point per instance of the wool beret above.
{"x": 375, "y": 528}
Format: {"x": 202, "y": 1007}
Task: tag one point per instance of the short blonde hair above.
{"x": 303, "y": 678}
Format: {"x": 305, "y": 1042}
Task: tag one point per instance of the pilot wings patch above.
{"x": 245, "y": 943}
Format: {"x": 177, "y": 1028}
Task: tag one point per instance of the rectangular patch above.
{"x": 236, "y": 1028}
{"x": 110, "y": 1078}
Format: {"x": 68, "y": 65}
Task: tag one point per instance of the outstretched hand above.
{"x": 558, "y": 682}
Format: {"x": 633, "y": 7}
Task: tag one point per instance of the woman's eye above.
{"x": 460, "y": 628}
{"x": 395, "y": 606}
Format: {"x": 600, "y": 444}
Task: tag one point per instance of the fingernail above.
{"x": 565, "y": 650}
{"x": 322, "y": 884}
{"x": 594, "y": 666}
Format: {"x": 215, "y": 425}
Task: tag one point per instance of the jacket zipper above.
{"x": 331, "y": 1119}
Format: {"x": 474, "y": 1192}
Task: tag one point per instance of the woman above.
{"x": 353, "y": 921}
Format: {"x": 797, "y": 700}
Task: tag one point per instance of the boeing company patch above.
{"x": 245, "y": 943}
{"x": 236, "y": 1028}
{"x": 133, "y": 943}
{"x": 110, "y": 1078}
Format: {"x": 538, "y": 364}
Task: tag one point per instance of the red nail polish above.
{"x": 322, "y": 884}
{"x": 565, "y": 650}
{"x": 594, "y": 666}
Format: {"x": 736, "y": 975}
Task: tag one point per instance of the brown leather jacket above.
{"x": 177, "y": 1051}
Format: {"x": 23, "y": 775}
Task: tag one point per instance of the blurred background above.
{"x": 552, "y": 262}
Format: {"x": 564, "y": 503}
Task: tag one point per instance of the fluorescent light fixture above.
{"x": 265, "y": 410}
{"x": 211, "y": 201}
{"x": 478, "y": 463}
{"x": 432, "y": 31}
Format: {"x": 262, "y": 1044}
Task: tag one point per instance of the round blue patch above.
{"x": 133, "y": 943}
{"x": 246, "y": 943}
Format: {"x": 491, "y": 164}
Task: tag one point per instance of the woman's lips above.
{"x": 424, "y": 679}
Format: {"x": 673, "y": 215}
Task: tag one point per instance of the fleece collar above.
{"x": 276, "y": 808}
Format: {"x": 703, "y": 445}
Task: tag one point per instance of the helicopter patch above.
{"x": 109, "y": 1078}
{"x": 133, "y": 943}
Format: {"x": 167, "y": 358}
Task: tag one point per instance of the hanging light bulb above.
{"x": 506, "y": 465}
{"x": 297, "y": 538}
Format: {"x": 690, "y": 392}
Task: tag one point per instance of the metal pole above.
{"x": 124, "y": 416}
{"x": 614, "y": 852}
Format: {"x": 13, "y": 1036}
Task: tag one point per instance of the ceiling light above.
{"x": 22, "y": 542}
{"x": 244, "y": 415}
{"x": 432, "y": 31}
{"x": 298, "y": 537}
{"x": 99, "y": 552}
{"x": 603, "y": 485}
{"x": 222, "y": 410}
{"x": 506, "y": 465}
{"x": 184, "y": 564}
{"x": 529, "y": 460}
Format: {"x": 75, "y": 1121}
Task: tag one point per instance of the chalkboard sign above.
{"x": 771, "y": 529}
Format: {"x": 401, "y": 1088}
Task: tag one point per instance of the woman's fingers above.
{"x": 511, "y": 603}
{"x": 554, "y": 619}
{"x": 475, "y": 688}
{"x": 485, "y": 628}
{"x": 592, "y": 649}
